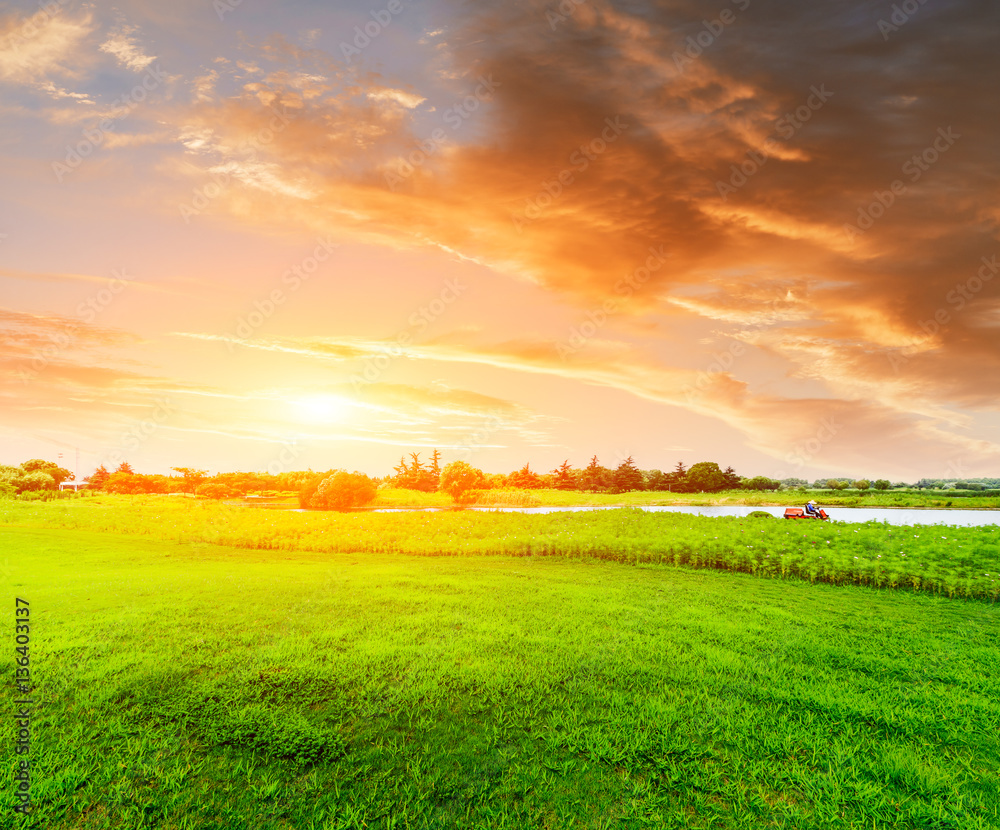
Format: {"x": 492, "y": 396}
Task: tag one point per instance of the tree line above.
{"x": 339, "y": 489}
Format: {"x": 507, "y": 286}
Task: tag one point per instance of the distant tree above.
{"x": 861, "y": 484}
{"x": 461, "y": 480}
{"x": 836, "y": 484}
{"x": 125, "y": 467}
{"x": 656, "y": 480}
{"x": 434, "y": 473}
{"x": 882, "y": 484}
{"x": 733, "y": 481}
{"x": 35, "y": 481}
{"x": 794, "y": 483}
{"x": 524, "y": 479}
{"x": 37, "y": 465}
{"x": 310, "y": 485}
{"x": 97, "y": 479}
{"x": 7, "y": 490}
{"x": 627, "y": 477}
{"x": 414, "y": 476}
{"x": 344, "y": 490}
{"x": 705, "y": 477}
{"x": 564, "y": 478}
{"x": 594, "y": 478}
{"x": 760, "y": 483}
{"x": 211, "y": 490}
{"x": 677, "y": 479}
{"x": 192, "y": 477}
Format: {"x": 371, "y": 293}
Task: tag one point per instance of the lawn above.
{"x": 183, "y": 684}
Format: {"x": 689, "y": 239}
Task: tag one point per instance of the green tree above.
{"x": 862, "y": 484}
{"x": 460, "y": 480}
{"x": 310, "y": 485}
{"x": 760, "y": 483}
{"x": 192, "y": 477}
{"x": 733, "y": 481}
{"x": 211, "y": 490}
{"x": 656, "y": 480}
{"x": 344, "y": 490}
{"x": 882, "y": 484}
{"x": 38, "y": 465}
{"x": 594, "y": 477}
{"x": 32, "y": 482}
{"x": 677, "y": 479}
{"x": 564, "y": 476}
{"x": 705, "y": 477}
{"x": 524, "y": 479}
{"x": 627, "y": 477}
{"x": 98, "y": 478}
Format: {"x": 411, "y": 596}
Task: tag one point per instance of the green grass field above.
{"x": 184, "y": 683}
{"x": 844, "y": 498}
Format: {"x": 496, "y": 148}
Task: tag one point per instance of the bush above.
{"x": 344, "y": 490}
{"x": 461, "y": 480}
{"x": 759, "y": 514}
{"x": 214, "y": 491}
{"x": 760, "y": 483}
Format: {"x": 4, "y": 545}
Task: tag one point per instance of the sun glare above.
{"x": 320, "y": 408}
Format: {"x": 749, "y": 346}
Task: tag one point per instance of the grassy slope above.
{"x": 491, "y": 692}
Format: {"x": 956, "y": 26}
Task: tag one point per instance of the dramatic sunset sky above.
{"x": 245, "y": 235}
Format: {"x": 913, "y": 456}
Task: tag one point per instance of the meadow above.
{"x": 394, "y": 497}
{"x": 184, "y": 683}
{"x": 955, "y": 561}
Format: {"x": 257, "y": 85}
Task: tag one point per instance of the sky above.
{"x": 239, "y": 235}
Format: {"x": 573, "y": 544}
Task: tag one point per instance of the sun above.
{"x": 320, "y": 408}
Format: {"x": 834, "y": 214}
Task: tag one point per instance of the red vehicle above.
{"x": 800, "y": 513}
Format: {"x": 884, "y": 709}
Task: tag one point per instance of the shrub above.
{"x": 214, "y": 491}
{"x": 461, "y": 480}
{"x": 344, "y": 490}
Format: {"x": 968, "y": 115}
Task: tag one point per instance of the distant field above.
{"x": 842, "y": 498}
{"x": 193, "y": 685}
{"x": 955, "y": 561}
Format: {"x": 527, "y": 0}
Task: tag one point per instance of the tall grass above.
{"x": 507, "y": 498}
{"x": 953, "y": 561}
